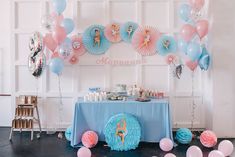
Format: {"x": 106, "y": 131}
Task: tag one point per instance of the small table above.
{"x": 154, "y": 118}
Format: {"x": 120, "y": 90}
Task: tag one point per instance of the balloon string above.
{"x": 61, "y": 103}
{"x": 193, "y": 103}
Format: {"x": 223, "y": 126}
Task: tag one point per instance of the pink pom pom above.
{"x": 89, "y": 139}
{"x": 144, "y": 40}
{"x": 208, "y": 139}
{"x": 112, "y": 32}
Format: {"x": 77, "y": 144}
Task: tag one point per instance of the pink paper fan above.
{"x": 112, "y": 32}
{"x": 144, "y": 40}
{"x": 73, "y": 59}
{"x": 77, "y": 45}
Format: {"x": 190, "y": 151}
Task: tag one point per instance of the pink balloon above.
{"x": 59, "y": 34}
{"x": 187, "y": 32}
{"x": 226, "y": 147}
{"x": 84, "y": 152}
{"x": 89, "y": 139}
{"x": 197, "y": 4}
{"x": 57, "y": 18}
{"x": 50, "y": 42}
{"x": 170, "y": 155}
{"x": 166, "y": 144}
{"x": 202, "y": 27}
{"x": 192, "y": 65}
{"x": 194, "y": 151}
{"x": 216, "y": 153}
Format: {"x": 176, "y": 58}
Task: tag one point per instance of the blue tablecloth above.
{"x": 154, "y": 118}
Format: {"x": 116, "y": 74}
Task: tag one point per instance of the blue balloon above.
{"x": 166, "y": 44}
{"x": 56, "y": 65}
{"x": 182, "y": 46}
{"x": 59, "y": 5}
{"x": 68, "y": 133}
{"x": 185, "y": 12}
{"x": 194, "y": 51}
{"x": 68, "y": 24}
{"x": 184, "y": 136}
{"x": 204, "y": 61}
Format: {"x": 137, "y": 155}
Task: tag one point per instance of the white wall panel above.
{"x": 90, "y": 13}
{"x": 25, "y": 12}
{"x": 123, "y": 11}
{"x": 156, "y": 13}
{"x": 123, "y": 75}
{"x": 76, "y": 79}
{"x": 91, "y": 76}
{"x": 156, "y": 78}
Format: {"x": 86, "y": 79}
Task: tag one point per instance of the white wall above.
{"x": 76, "y": 79}
{"x": 5, "y": 87}
{"x": 223, "y": 73}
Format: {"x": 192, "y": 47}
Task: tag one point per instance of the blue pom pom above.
{"x": 184, "y": 136}
{"x": 122, "y": 132}
{"x": 68, "y": 133}
{"x": 90, "y": 45}
{"x": 127, "y": 31}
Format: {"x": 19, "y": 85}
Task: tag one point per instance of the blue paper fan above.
{"x": 127, "y": 37}
{"x": 166, "y": 44}
{"x": 88, "y": 40}
{"x": 122, "y": 139}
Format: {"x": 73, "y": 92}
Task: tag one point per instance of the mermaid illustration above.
{"x": 121, "y": 130}
{"x": 115, "y": 30}
{"x": 166, "y": 44}
{"x": 146, "y": 38}
{"x": 129, "y": 30}
{"x": 97, "y": 38}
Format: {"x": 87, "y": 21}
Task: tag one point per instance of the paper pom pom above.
{"x": 68, "y": 133}
{"x": 184, "y": 136}
{"x": 165, "y": 45}
{"x": 112, "y": 32}
{"x": 89, "y": 139}
{"x": 208, "y": 139}
{"x": 95, "y": 41}
{"x": 144, "y": 40}
{"x": 84, "y": 152}
{"x": 77, "y": 45}
{"x": 122, "y": 132}
{"x": 127, "y": 31}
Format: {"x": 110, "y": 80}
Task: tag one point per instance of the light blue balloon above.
{"x": 204, "y": 61}
{"x": 59, "y": 6}
{"x": 67, "y": 41}
{"x": 68, "y": 24}
{"x": 185, "y": 12}
{"x": 182, "y": 46}
{"x": 194, "y": 51}
{"x": 56, "y": 65}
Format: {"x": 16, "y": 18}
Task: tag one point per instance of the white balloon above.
{"x": 226, "y": 147}
{"x": 216, "y": 153}
{"x": 194, "y": 151}
{"x": 170, "y": 155}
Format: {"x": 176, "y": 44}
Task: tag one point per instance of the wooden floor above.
{"x": 51, "y": 146}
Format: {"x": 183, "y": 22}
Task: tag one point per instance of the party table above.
{"x": 153, "y": 116}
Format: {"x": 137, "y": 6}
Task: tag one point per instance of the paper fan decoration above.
{"x": 112, "y": 32}
{"x": 166, "y": 44}
{"x": 95, "y": 41}
{"x": 73, "y": 59}
{"x": 77, "y": 45}
{"x": 127, "y": 31}
{"x": 144, "y": 40}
